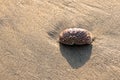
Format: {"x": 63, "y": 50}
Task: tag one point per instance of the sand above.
{"x": 29, "y": 47}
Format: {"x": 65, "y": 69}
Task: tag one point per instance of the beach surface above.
{"x": 29, "y": 47}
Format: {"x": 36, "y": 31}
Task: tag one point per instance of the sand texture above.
{"x": 29, "y": 47}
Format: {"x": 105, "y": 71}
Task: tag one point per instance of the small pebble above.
{"x": 77, "y": 36}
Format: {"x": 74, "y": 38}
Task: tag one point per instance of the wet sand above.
{"x": 29, "y": 47}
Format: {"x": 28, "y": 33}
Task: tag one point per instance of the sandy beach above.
{"x": 29, "y": 47}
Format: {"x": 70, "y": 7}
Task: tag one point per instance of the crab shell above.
{"x": 75, "y": 36}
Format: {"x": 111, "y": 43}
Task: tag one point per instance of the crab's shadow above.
{"x": 76, "y": 55}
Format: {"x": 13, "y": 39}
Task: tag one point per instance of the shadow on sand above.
{"x": 76, "y": 55}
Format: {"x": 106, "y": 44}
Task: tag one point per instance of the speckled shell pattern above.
{"x": 77, "y": 36}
